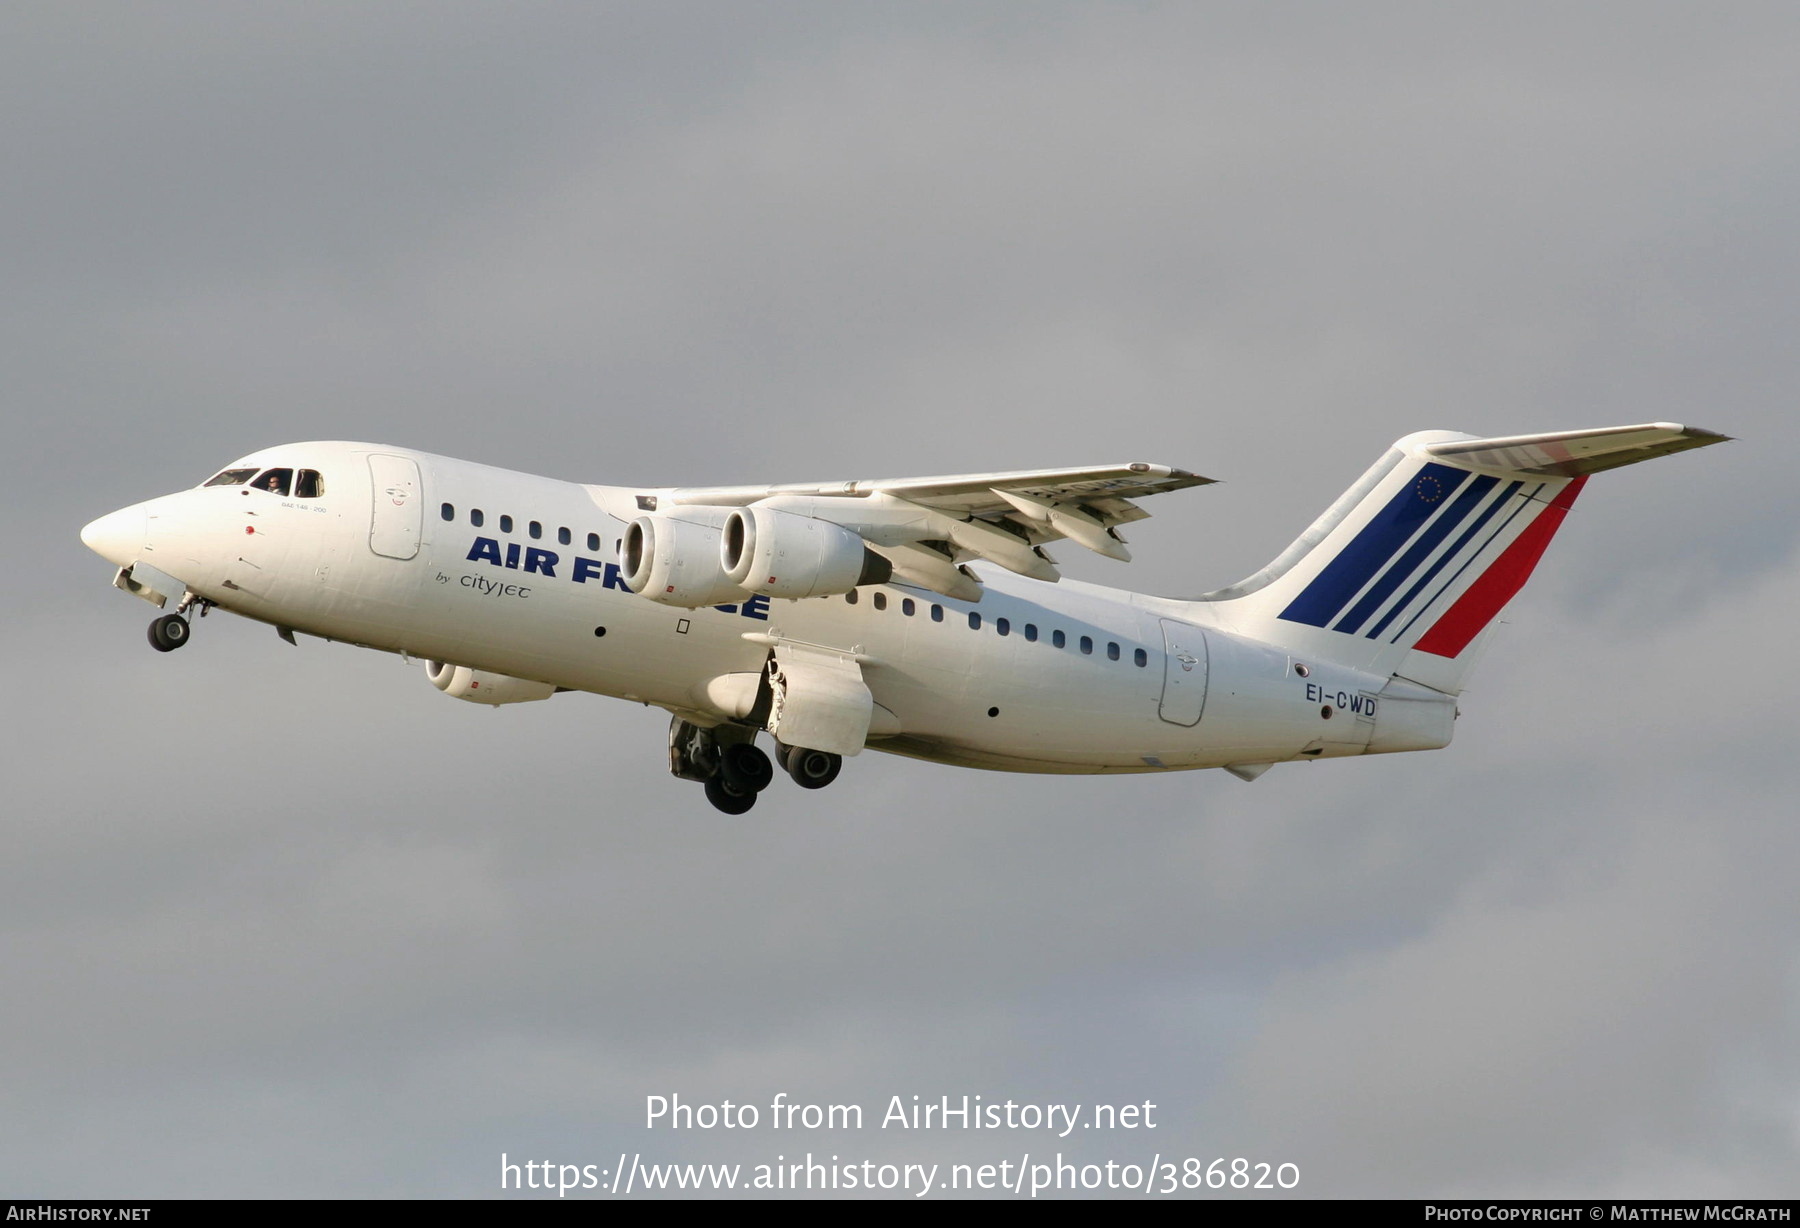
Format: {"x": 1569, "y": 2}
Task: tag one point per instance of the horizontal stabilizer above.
{"x": 1575, "y": 453}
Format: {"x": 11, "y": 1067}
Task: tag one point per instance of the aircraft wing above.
{"x": 927, "y": 527}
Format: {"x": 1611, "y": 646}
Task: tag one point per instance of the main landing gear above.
{"x": 811, "y": 769}
{"x": 727, "y": 761}
{"x": 744, "y": 771}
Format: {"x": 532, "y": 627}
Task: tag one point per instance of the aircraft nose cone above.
{"x": 117, "y": 537}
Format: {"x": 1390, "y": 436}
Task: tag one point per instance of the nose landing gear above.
{"x": 168, "y": 632}
{"x": 171, "y": 631}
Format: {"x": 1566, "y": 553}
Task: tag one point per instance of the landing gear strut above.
{"x": 168, "y": 632}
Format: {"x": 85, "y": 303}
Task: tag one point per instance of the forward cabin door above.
{"x": 1184, "y": 673}
{"x": 394, "y": 525}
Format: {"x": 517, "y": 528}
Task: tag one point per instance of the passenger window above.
{"x": 1031, "y": 633}
{"x": 1112, "y": 652}
{"x": 448, "y": 512}
{"x": 564, "y": 537}
{"x": 536, "y": 530}
{"x": 505, "y": 524}
{"x": 1087, "y": 646}
{"x": 850, "y": 596}
{"x": 1141, "y": 657}
{"x": 907, "y": 607}
{"x": 1058, "y": 639}
{"x": 310, "y": 484}
{"x": 881, "y": 601}
{"x": 937, "y": 613}
{"x": 1003, "y": 626}
{"x": 594, "y": 542}
{"x": 974, "y": 620}
{"x": 276, "y": 481}
{"x": 230, "y": 477}
{"x": 476, "y": 518}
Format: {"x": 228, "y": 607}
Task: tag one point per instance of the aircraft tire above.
{"x": 725, "y": 798}
{"x": 745, "y": 768}
{"x": 168, "y": 632}
{"x": 812, "y": 769}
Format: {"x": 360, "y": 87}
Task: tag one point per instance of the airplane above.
{"x": 922, "y": 617}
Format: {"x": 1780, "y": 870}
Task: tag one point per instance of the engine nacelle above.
{"x": 675, "y": 562}
{"x": 480, "y": 687}
{"x": 784, "y": 555}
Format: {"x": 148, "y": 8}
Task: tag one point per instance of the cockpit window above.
{"x": 230, "y": 477}
{"x": 276, "y": 481}
{"x": 309, "y": 484}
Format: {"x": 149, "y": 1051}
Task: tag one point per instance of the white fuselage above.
{"x": 1035, "y": 677}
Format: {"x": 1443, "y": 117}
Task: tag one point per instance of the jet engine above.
{"x": 784, "y": 555}
{"x": 480, "y": 687}
{"x": 676, "y": 562}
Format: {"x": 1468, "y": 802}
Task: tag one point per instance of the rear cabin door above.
{"x": 1184, "y": 673}
{"x": 395, "y": 522}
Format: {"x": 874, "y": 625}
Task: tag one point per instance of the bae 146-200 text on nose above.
{"x": 918, "y": 616}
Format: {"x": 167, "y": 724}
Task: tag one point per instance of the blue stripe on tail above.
{"x": 1416, "y": 554}
{"x": 1443, "y": 559}
{"x": 1384, "y": 536}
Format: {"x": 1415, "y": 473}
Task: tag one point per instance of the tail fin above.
{"x": 1404, "y": 573}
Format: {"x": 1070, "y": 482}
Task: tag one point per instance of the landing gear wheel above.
{"x": 168, "y": 633}
{"x": 745, "y": 768}
{"x": 725, "y": 798}
{"x": 812, "y": 769}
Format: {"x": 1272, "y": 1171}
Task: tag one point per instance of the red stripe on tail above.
{"x": 1476, "y": 608}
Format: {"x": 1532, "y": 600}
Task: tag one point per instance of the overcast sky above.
{"x": 286, "y": 921}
